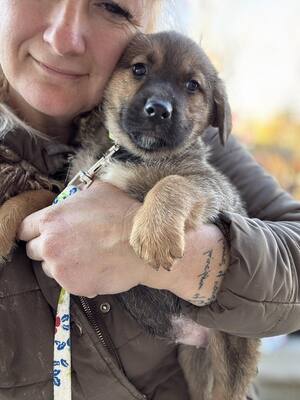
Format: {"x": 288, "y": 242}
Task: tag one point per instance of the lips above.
{"x": 60, "y": 71}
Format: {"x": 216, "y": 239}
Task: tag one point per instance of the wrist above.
{"x": 196, "y": 277}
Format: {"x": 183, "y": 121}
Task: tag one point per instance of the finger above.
{"x": 34, "y": 249}
{"x": 46, "y": 269}
{"x": 30, "y": 226}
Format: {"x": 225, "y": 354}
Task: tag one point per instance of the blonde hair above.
{"x": 155, "y": 11}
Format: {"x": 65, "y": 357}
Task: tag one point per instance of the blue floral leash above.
{"x": 62, "y": 379}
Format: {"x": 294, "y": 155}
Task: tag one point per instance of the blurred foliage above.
{"x": 275, "y": 143}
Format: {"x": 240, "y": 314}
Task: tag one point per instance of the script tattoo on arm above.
{"x": 199, "y": 299}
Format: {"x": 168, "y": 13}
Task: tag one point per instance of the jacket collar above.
{"x": 48, "y": 156}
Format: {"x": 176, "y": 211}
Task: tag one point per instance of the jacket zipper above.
{"x": 103, "y": 335}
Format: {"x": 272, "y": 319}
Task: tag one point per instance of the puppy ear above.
{"x": 221, "y": 117}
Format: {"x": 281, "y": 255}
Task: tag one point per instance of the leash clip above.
{"x": 86, "y": 178}
{"x": 81, "y": 178}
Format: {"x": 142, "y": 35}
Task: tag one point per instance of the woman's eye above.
{"x": 193, "y": 86}
{"x": 139, "y": 69}
{"x": 114, "y": 8}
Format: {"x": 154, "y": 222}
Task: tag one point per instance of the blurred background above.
{"x": 255, "y": 45}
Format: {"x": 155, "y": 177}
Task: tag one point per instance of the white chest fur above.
{"x": 118, "y": 174}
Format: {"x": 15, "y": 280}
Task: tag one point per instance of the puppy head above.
{"x": 163, "y": 94}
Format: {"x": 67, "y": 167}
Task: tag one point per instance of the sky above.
{"x": 255, "y": 45}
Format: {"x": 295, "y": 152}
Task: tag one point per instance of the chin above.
{"x": 57, "y": 109}
{"x": 147, "y": 142}
{"x": 56, "y": 103}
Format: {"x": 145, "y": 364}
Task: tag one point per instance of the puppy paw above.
{"x": 7, "y": 243}
{"x": 6, "y": 249}
{"x": 158, "y": 245}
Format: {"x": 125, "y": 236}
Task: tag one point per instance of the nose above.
{"x": 158, "y": 109}
{"x": 65, "y": 31}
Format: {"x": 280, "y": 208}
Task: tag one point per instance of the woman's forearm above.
{"x": 197, "y": 277}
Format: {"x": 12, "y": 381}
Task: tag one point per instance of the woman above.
{"x": 56, "y": 58}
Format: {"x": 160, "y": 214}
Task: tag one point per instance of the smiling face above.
{"x": 58, "y": 55}
{"x": 163, "y": 94}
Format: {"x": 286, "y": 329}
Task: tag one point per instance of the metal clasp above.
{"x": 86, "y": 178}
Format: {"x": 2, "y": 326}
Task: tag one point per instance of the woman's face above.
{"x": 57, "y": 55}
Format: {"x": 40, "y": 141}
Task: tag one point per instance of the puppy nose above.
{"x": 159, "y": 109}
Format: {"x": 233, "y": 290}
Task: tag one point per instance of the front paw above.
{"x": 8, "y": 232}
{"x": 6, "y": 248}
{"x": 160, "y": 245}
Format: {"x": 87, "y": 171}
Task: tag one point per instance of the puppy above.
{"x": 162, "y": 96}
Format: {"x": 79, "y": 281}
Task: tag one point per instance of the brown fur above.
{"x": 12, "y": 213}
{"x": 178, "y": 188}
{"x": 166, "y": 168}
{"x": 23, "y": 190}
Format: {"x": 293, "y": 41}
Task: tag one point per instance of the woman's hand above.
{"x": 83, "y": 243}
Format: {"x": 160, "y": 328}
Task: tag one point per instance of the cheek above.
{"x": 122, "y": 89}
{"x": 17, "y": 25}
{"x": 6, "y": 35}
{"x": 108, "y": 53}
{"x": 105, "y": 54}
{"x": 198, "y": 111}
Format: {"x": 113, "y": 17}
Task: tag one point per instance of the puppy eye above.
{"x": 193, "y": 86}
{"x": 139, "y": 69}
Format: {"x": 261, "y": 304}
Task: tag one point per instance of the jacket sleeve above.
{"x": 260, "y": 293}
